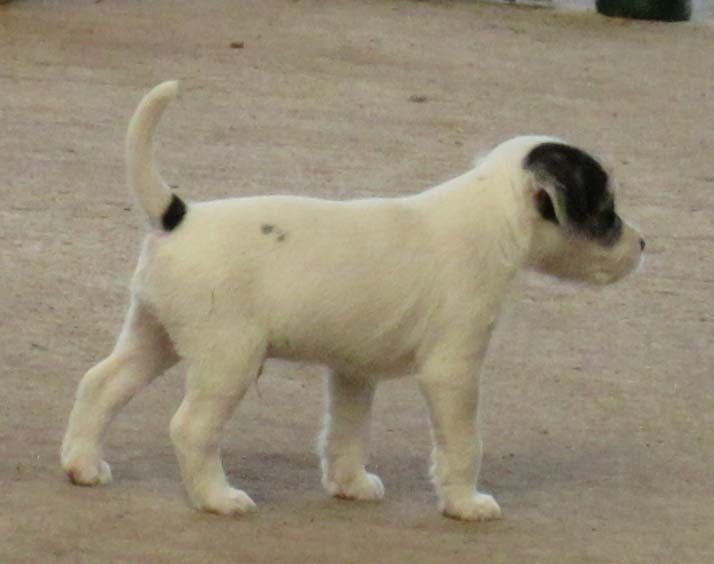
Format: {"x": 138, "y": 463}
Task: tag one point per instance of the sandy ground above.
{"x": 598, "y": 412}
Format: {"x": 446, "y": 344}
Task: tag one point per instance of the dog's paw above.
{"x": 87, "y": 471}
{"x": 475, "y": 507}
{"x": 229, "y": 501}
{"x": 364, "y": 487}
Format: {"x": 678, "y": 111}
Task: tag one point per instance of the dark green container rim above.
{"x": 662, "y": 10}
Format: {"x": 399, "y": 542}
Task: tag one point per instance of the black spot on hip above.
{"x": 267, "y": 229}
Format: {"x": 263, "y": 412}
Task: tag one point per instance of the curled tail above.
{"x": 164, "y": 209}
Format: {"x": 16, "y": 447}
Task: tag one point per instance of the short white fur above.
{"x": 371, "y": 288}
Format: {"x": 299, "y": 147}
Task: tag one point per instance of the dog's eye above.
{"x": 607, "y": 225}
{"x": 607, "y": 219}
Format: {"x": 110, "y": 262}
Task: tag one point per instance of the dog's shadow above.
{"x": 541, "y": 468}
{"x": 266, "y": 473}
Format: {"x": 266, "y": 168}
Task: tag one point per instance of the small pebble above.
{"x": 237, "y": 44}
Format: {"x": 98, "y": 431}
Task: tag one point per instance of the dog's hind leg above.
{"x": 219, "y": 376}
{"x": 343, "y": 441}
{"x": 142, "y": 352}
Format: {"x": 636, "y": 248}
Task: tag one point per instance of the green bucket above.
{"x": 663, "y": 10}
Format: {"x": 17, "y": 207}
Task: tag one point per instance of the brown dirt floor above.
{"x": 598, "y": 411}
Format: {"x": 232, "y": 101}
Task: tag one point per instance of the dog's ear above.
{"x": 544, "y": 196}
{"x": 570, "y": 186}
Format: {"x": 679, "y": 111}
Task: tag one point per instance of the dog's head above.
{"x": 577, "y": 233}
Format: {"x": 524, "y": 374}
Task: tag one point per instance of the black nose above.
{"x": 642, "y": 244}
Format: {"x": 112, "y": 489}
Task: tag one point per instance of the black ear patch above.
{"x": 545, "y": 206}
{"x": 580, "y": 183}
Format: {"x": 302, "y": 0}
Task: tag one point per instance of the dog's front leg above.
{"x": 343, "y": 441}
{"x": 449, "y": 381}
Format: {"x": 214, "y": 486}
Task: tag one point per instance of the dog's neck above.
{"x": 489, "y": 209}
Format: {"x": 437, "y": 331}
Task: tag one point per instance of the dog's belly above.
{"x": 349, "y": 324}
{"x": 381, "y": 358}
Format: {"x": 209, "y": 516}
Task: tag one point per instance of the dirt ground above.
{"x": 597, "y": 407}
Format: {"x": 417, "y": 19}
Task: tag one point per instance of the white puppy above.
{"x": 371, "y": 288}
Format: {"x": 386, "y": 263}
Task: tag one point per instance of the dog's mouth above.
{"x": 621, "y": 268}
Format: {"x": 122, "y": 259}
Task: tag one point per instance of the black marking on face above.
{"x": 606, "y": 225}
{"x": 267, "y": 229}
{"x": 173, "y": 215}
{"x": 581, "y": 190}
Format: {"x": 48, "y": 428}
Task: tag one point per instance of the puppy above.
{"x": 372, "y": 288}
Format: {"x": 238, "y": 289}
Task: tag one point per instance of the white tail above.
{"x": 145, "y": 181}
